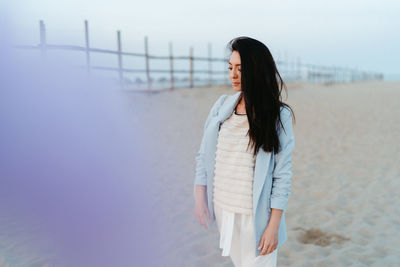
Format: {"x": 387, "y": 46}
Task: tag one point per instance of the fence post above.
{"x": 337, "y": 76}
{"x": 226, "y": 72}
{"x": 294, "y": 66}
{"x": 87, "y": 46}
{"x": 286, "y": 60}
{"x": 342, "y": 75}
{"x": 312, "y": 68}
{"x": 191, "y": 66}
{"x": 171, "y": 64}
{"x": 298, "y": 70}
{"x": 146, "y": 52}
{"x": 43, "y": 42}
{"x": 209, "y": 65}
{"x": 121, "y": 76}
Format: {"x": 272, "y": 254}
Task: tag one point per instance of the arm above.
{"x": 281, "y": 179}
{"x": 280, "y": 184}
{"x": 201, "y": 176}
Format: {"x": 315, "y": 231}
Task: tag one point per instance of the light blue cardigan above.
{"x": 272, "y": 173}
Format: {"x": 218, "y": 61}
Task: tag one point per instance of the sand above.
{"x": 344, "y": 207}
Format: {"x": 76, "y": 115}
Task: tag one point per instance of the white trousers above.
{"x": 237, "y": 240}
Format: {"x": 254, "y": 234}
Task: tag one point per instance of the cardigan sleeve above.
{"x": 281, "y": 179}
{"x": 201, "y": 175}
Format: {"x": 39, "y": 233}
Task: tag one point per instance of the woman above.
{"x": 243, "y": 171}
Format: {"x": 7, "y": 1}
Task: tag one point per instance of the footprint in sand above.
{"x": 317, "y": 237}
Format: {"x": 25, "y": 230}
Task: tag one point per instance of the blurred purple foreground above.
{"x": 75, "y": 186}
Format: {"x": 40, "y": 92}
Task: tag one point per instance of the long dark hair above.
{"x": 261, "y": 89}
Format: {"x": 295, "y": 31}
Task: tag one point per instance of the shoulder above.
{"x": 218, "y": 103}
{"x": 285, "y": 113}
{"x": 222, "y": 98}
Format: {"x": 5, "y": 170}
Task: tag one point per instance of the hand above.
{"x": 201, "y": 207}
{"x": 269, "y": 240}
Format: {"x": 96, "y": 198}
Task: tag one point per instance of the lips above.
{"x": 236, "y": 83}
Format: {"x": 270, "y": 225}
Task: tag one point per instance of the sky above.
{"x": 348, "y": 33}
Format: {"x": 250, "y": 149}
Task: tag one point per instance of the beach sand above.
{"x": 344, "y": 209}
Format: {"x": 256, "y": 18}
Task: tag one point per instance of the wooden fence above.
{"x": 291, "y": 71}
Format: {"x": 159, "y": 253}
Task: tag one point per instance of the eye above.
{"x": 229, "y": 68}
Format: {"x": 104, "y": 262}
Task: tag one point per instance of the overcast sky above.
{"x": 350, "y": 33}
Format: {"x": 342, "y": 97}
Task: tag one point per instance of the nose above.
{"x": 234, "y": 73}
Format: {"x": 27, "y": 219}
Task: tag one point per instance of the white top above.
{"x": 234, "y": 167}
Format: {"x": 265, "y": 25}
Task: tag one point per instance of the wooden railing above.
{"x": 294, "y": 71}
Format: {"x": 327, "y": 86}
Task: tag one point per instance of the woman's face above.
{"x": 235, "y": 71}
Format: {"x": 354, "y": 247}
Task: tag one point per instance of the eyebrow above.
{"x": 235, "y": 64}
